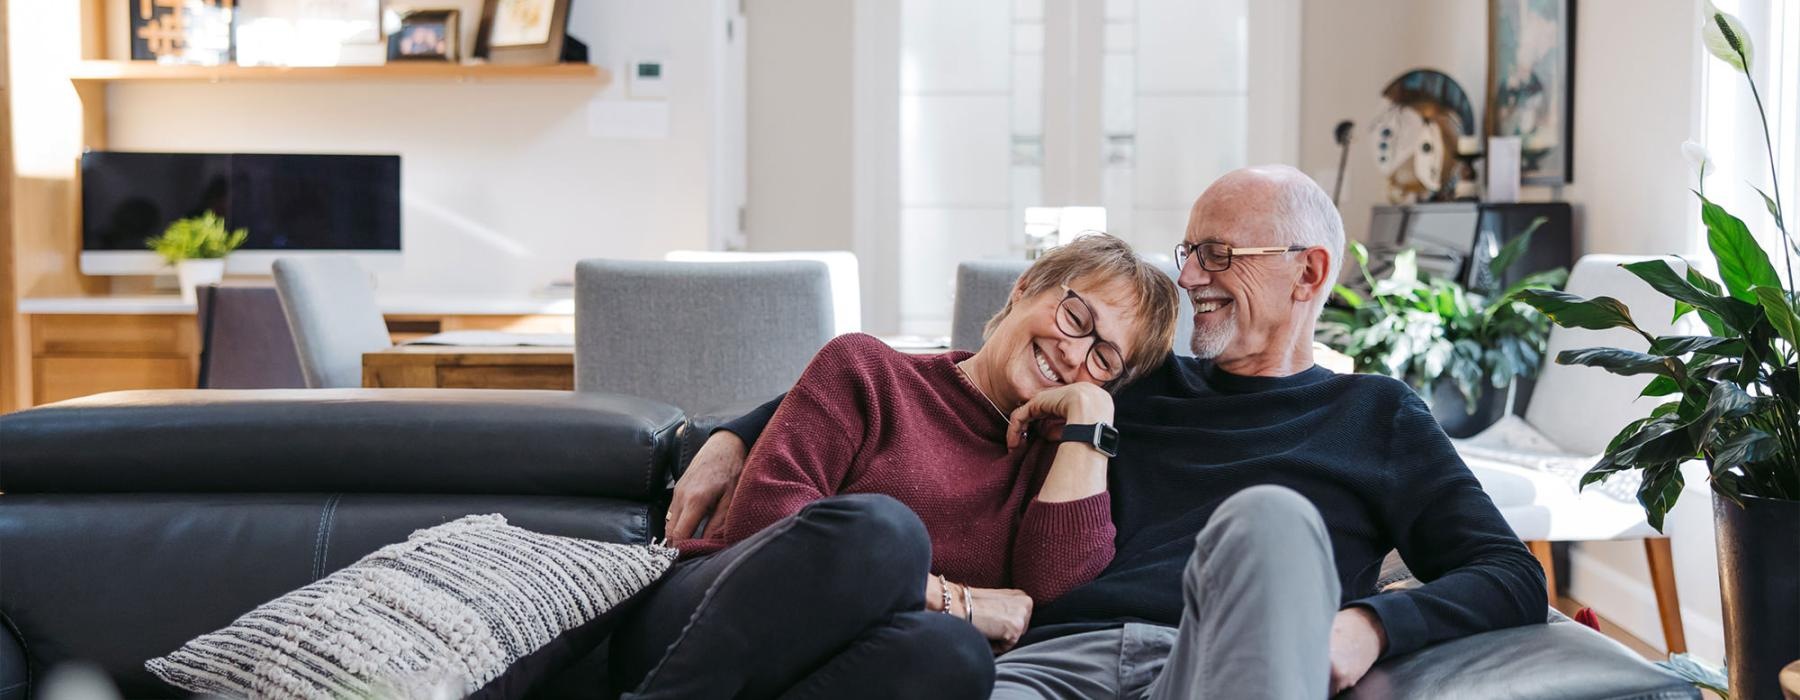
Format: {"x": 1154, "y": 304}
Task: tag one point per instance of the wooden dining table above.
{"x": 470, "y": 367}
{"x": 489, "y": 365}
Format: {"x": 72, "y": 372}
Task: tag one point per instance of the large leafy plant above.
{"x": 1733, "y": 395}
{"x": 1422, "y": 330}
{"x": 196, "y": 237}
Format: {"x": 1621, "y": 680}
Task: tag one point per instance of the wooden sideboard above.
{"x": 88, "y": 346}
{"x": 76, "y": 355}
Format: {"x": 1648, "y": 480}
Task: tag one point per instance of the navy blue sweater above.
{"x": 1363, "y": 448}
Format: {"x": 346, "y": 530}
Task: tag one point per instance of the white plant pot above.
{"x": 195, "y": 273}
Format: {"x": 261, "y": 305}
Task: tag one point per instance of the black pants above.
{"x": 828, "y": 603}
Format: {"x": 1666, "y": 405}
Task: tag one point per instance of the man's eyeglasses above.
{"x": 1075, "y": 318}
{"x": 1216, "y": 256}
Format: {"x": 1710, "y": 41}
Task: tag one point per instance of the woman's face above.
{"x": 1030, "y": 352}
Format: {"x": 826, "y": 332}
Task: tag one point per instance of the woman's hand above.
{"x": 1071, "y": 403}
{"x": 1001, "y": 615}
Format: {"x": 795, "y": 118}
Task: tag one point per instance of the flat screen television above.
{"x": 292, "y": 204}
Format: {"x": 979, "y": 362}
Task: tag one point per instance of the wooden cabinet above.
{"x": 76, "y": 355}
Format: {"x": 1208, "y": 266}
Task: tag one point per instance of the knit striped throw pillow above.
{"x": 439, "y": 615}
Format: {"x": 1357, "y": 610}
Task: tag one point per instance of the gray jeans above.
{"x": 1260, "y": 592}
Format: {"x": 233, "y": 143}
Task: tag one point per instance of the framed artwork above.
{"x": 1531, "y": 84}
{"x": 181, "y": 31}
{"x": 522, "y": 31}
{"x": 425, "y": 35}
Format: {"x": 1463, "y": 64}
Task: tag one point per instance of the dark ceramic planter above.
{"x": 1451, "y": 412}
{"x": 1759, "y": 584}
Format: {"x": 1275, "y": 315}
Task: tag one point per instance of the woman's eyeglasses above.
{"x": 1075, "y": 318}
{"x": 1216, "y": 256}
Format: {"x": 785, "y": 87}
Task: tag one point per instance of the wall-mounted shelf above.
{"x": 101, "y": 72}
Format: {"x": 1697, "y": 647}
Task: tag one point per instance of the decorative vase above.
{"x": 1451, "y": 412}
{"x": 1759, "y": 585}
{"x": 196, "y": 273}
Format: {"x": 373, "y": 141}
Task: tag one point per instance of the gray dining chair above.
{"x": 983, "y": 285}
{"x": 331, "y": 310}
{"x": 698, "y": 335}
{"x": 244, "y": 339}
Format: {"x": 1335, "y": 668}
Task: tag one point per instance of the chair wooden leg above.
{"x": 1541, "y": 550}
{"x": 1668, "y": 604}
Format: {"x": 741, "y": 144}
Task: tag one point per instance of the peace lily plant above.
{"x": 1732, "y": 400}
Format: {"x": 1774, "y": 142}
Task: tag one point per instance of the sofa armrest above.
{"x": 1560, "y": 659}
{"x": 419, "y": 441}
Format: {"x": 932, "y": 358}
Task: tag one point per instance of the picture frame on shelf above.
{"x": 522, "y": 32}
{"x": 1531, "y": 85}
{"x": 425, "y": 35}
{"x": 197, "y": 32}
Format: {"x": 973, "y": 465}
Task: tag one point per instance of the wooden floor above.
{"x": 1570, "y": 606}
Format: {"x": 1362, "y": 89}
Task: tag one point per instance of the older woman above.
{"x": 901, "y": 513}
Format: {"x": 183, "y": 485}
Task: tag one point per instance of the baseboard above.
{"x": 1627, "y": 600}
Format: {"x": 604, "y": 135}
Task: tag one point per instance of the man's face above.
{"x": 1241, "y": 310}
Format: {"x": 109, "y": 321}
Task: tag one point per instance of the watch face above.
{"x": 1108, "y": 440}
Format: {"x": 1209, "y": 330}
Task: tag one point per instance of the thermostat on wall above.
{"x": 645, "y": 79}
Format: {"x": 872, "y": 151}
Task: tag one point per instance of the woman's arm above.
{"x": 1066, "y": 536}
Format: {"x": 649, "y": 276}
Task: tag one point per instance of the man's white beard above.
{"x": 1209, "y": 342}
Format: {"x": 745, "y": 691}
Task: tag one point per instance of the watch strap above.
{"x": 1091, "y": 434}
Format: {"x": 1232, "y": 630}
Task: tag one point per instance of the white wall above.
{"x": 1636, "y": 87}
{"x": 1637, "y": 92}
{"x": 503, "y": 185}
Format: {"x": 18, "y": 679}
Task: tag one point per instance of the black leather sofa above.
{"x": 133, "y": 521}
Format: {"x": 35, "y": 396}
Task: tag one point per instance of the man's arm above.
{"x": 703, "y": 494}
{"x": 1478, "y": 576}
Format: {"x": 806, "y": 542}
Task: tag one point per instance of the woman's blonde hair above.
{"x": 1099, "y": 256}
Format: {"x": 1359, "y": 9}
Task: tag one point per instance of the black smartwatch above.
{"x": 1103, "y": 436}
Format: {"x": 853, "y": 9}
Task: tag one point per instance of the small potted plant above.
{"x": 1449, "y": 343}
{"x": 196, "y": 247}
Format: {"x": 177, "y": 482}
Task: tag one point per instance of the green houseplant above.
{"x": 196, "y": 247}
{"x": 1732, "y": 399}
{"x": 1445, "y": 341}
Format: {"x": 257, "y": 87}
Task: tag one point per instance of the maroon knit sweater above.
{"x": 865, "y": 418}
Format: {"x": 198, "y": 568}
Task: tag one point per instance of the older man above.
{"x": 1256, "y": 494}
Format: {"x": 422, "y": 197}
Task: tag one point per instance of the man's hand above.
{"x": 706, "y": 487}
{"x": 1357, "y": 639}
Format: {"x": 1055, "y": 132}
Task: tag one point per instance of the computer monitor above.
{"x": 292, "y": 204}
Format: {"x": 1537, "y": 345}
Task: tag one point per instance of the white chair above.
{"x": 1531, "y": 466}
{"x": 840, "y": 266}
{"x": 330, "y": 306}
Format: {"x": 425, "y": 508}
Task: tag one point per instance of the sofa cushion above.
{"x": 1561, "y": 659}
{"x": 445, "y": 612}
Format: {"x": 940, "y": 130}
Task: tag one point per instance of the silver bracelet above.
{"x": 944, "y": 588}
{"x": 968, "y": 605}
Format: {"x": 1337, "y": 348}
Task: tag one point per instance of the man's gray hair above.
{"x": 1305, "y": 215}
